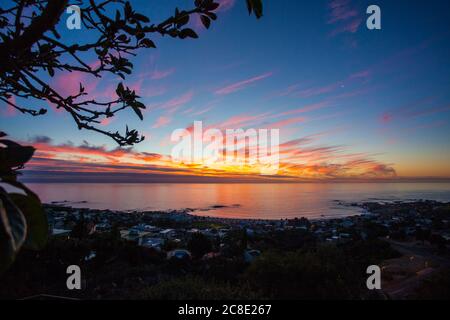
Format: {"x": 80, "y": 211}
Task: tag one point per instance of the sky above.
{"x": 350, "y": 103}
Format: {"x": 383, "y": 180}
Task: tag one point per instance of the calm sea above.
{"x": 255, "y": 201}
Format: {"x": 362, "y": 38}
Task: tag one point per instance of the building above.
{"x": 180, "y": 254}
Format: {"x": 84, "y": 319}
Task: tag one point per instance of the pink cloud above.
{"x": 161, "y": 122}
{"x": 174, "y": 104}
{"x": 340, "y": 11}
{"x": 242, "y": 84}
{"x": 386, "y": 118}
{"x": 318, "y": 90}
{"x": 308, "y": 108}
{"x": 207, "y": 109}
{"x": 361, "y": 74}
{"x": 8, "y": 110}
{"x": 351, "y": 27}
{"x": 161, "y": 74}
{"x": 225, "y": 5}
{"x": 344, "y": 16}
{"x": 286, "y": 122}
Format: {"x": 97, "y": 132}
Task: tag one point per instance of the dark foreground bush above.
{"x": 195, "y": 288}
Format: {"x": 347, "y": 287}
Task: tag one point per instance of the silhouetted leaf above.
{"x": 141, "y": 17}
{"x": 183, "y": 20}
{"x": 15, "y": 156}
{"x": 147, "y": 43}
{"x": 13, "y": 230}
{"x": 212, "y": 6}
{"x": 37, "y": 226}
{"x": 255, "y": 6}
{"x": 206, "y": 22}
{"x": 137, "y": 110}
{"x": 188, "y": 33}
{"x": 120, "y": 90}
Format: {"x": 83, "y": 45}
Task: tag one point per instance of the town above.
{"x": 158, "y": 254}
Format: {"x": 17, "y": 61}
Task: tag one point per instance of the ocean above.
{"x": 244, "y": 201}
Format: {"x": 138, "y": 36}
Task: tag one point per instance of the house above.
{"x": 60, "y": 232}
{"x": 103, "y": 227}
{"x": 155, "y": 243}
{"x": 167, "y": 233}
{"x": 179, "y": 254}
{"x": 133, "y": 234}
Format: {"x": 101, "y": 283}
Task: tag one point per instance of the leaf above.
{"x": 36, "y": 218}
{"x": 50, "y": 70}
{"x": 15, "y": 156}
{"x": 122, "y": 38}
{"x": 137, "y": 110}
{"x": 120, "y": 90}
{"x": 147, "y": 43}
{"x": 128, "y": 10}
{"x": 205, "y": 20}
{"x": 212, "y": 6}
{"x": 188, "y": 33}
{"x": 255, "y": 6}
{"x": 9, "y": 143}
{"x": 13, "y": 230}
{"x": 183, "y": 20}
{"x": 141, "y": 17}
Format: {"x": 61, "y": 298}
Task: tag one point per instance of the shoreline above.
{"x": 363, "y": 205}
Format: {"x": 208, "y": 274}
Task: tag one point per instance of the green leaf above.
{"x": 37, "y": 226}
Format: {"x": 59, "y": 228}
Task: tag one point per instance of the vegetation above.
{"x": 122, "y": 270}
{"x": 199, "y": 245}
{"x": 435, "y": 288}
{"x": 23, "y": 221}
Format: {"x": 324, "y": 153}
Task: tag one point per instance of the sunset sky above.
{"x": 350, "y": 103}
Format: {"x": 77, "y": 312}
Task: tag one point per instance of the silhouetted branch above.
{"x": 31, "y": 45}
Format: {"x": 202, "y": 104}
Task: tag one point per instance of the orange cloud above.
{"x": 299, "y": 159}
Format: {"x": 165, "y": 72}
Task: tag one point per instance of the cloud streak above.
{"x": 242, "y": 84}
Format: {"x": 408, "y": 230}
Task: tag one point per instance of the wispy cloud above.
{"x": 242, "y": 84}
{"x": 161, "y": 74}
{"x": 161, "y": 122}
{"x": 176, "y": 103}
{"x": 344, "y": 16}
{"x": 6, "y": 109}
{"x": 418, "y": 108}
{"x": 308, "y": 108}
